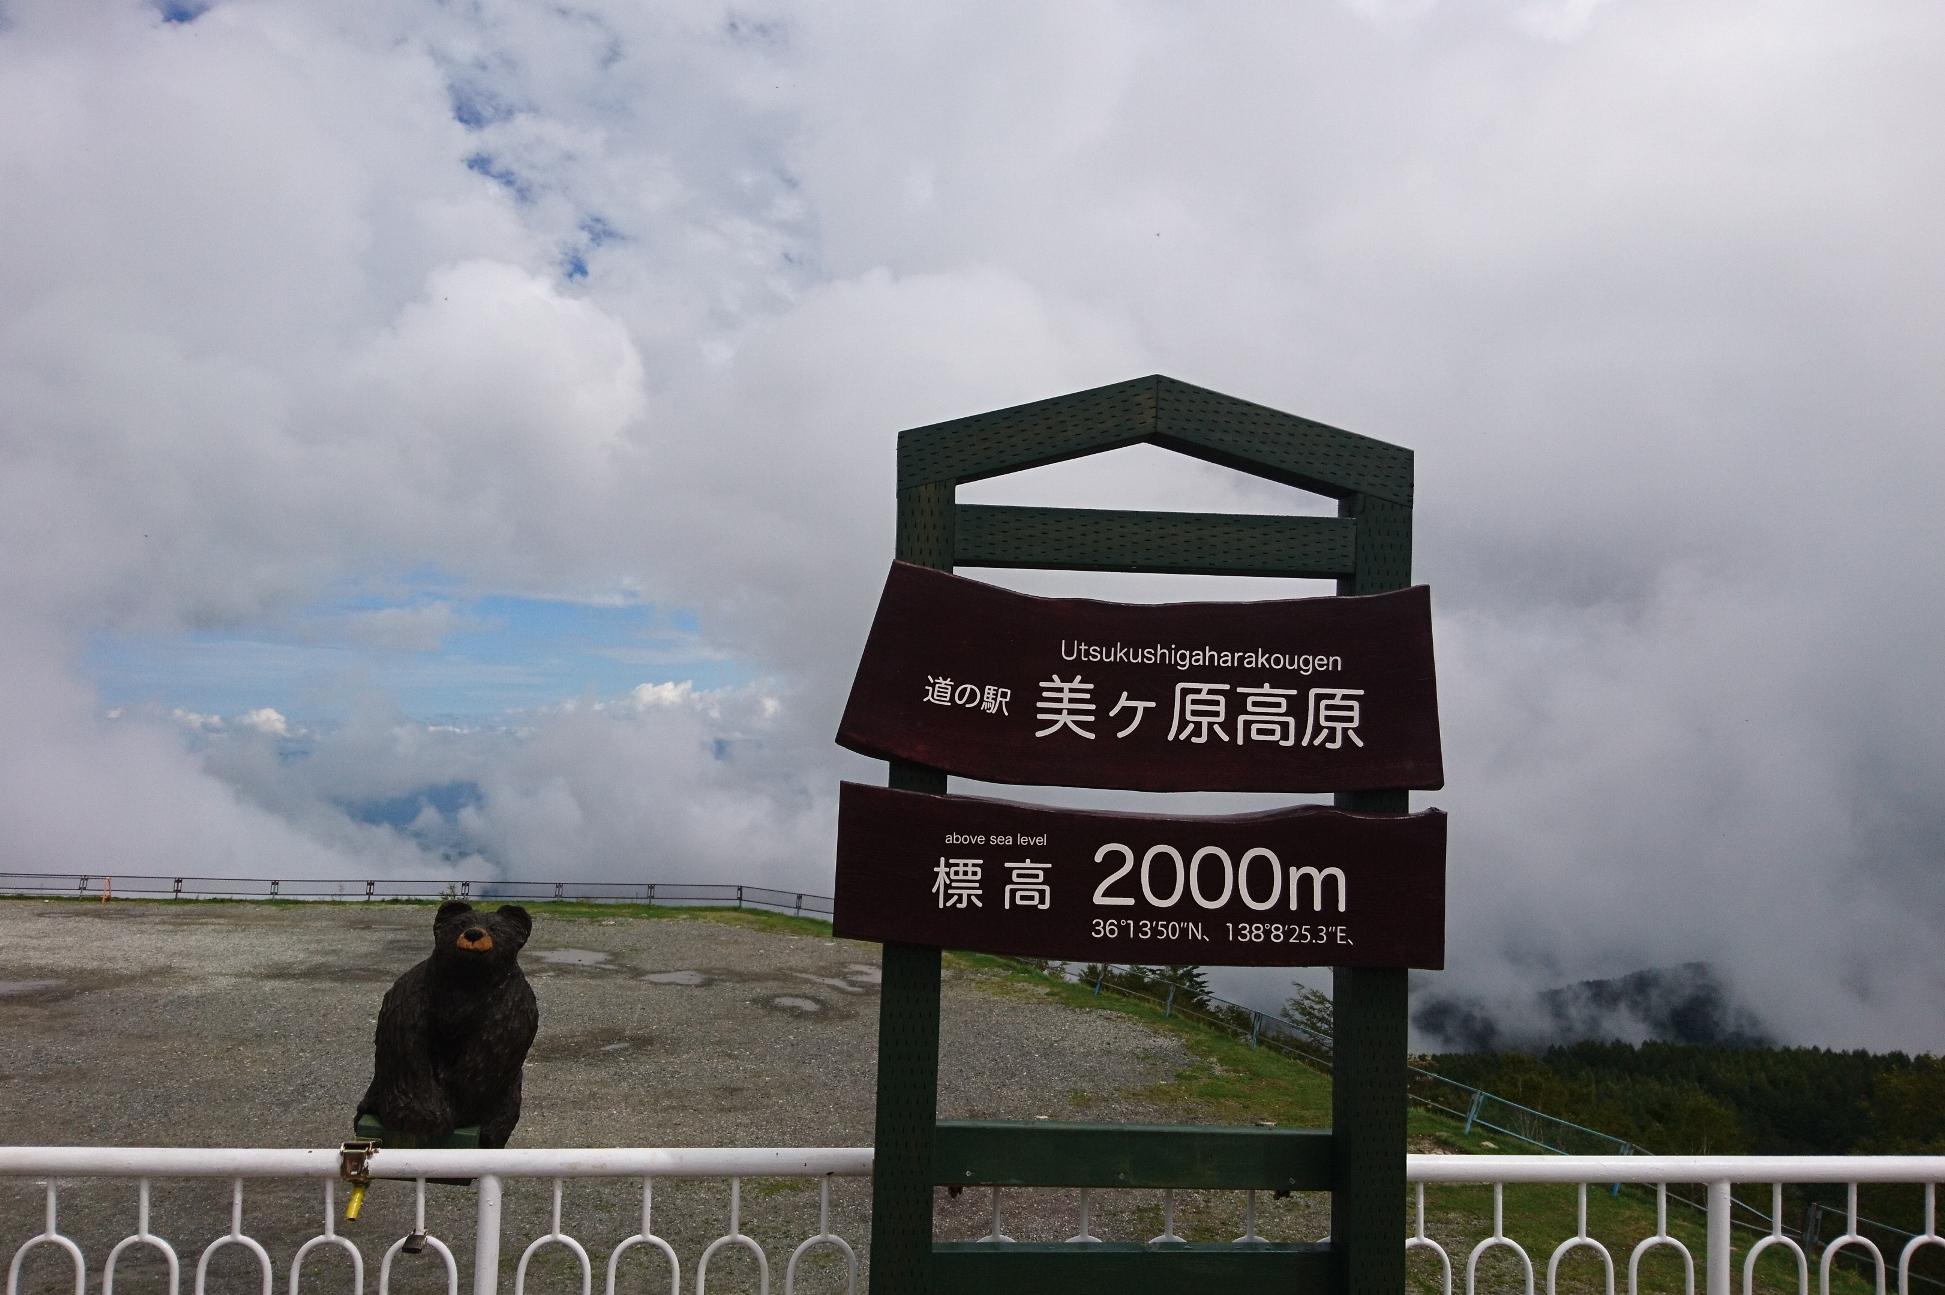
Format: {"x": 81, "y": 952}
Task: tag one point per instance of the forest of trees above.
{"x": 1675, "y": 1098}
{"x": 1684, "y": 1098}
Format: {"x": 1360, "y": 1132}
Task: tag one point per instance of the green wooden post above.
{"x": 908, "y": 1082}
{"x": 1369, "y": 1008}
{"x": 908, "y": 1005}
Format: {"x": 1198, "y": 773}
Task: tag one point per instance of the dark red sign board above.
{"x": 1305, "y": 886}
{"x": 1312, "y": 694}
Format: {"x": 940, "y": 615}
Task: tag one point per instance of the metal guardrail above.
{"x": 1716, "y": 1174}
{"x": 490, "y": 1170}
{"x": 351, "y": 889}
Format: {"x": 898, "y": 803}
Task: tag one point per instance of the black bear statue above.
{"x": 453, "y": 1031}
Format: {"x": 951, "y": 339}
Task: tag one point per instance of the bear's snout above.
{"x": 477, "y": 939}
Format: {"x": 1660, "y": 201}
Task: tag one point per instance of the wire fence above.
{"x": 356, "y": 889}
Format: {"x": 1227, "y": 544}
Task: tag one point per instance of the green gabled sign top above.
{"x": 1162, "y": 411}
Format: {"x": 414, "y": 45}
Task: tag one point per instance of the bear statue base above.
{"x": 460, "y": 1139}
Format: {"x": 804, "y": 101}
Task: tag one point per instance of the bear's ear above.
{"x": 520, "y": 918}
{"x": 450, "y": 908}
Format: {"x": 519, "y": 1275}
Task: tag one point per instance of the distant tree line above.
{"x": 1682, "y": 1099}
{"x": 1677, "y": 1098}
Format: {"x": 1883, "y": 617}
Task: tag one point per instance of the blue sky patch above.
{"x": 502, "y": 174}
{"x": 476, "y": 107}
{"x": 445, "y": 799}
{"x": 182, "y": 11}
{"x": 438, "y": 661}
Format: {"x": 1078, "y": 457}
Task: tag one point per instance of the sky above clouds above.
{"x": 490, "y": 408}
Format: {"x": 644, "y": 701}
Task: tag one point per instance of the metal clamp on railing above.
{"x": 354, "y": 1166}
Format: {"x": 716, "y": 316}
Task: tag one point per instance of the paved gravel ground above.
{"x": 159, "y": 1024}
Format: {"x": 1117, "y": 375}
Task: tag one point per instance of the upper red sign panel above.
{"x": 1311, "y": 694}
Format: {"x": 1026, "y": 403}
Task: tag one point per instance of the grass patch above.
{"x": 764, "y": 1189}
{"x": 1229, "y": 1082}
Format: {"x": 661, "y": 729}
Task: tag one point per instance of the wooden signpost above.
{"x": 1312, "y": 695}
{"x": 1302, "y": 887}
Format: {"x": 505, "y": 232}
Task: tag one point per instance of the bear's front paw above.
{"x": 422, "y": 1117}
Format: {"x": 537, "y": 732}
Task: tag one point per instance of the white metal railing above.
{"x": 1716, "y": 1175}
{"x": 1713, "y": 1270}
{"x": 488, "y": 1169}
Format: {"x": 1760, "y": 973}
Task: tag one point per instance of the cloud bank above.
{"x": 427, "y": 304}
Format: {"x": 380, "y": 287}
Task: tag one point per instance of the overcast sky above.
{"x": 500, "y": 398}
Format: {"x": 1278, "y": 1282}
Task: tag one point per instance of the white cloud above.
{"x": 1660, "y": 323}
{"x": 123, "y": 797}
{"x": 266, "y": 720}
{"x": 645, "y": 695}
{"x": 420, "y": 628}
{"x": 1561, "y": 20}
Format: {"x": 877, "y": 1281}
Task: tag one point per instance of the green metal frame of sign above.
{"x": 1366, "y": 548}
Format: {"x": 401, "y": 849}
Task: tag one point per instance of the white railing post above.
{"x": 486, "y": 1237}
{"x": 1720, "y": 1278}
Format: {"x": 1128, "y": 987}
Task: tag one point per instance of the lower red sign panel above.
{"x": 1306, "y": 886}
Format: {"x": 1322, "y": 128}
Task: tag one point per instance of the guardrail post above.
{"x": 1255, "y": 1027}
{"x": 1472, "y": 1112}
{"x": 1720, "y": 1281}
{"x": 486, "y": 1237}
{"x": 370, "y": 887}
{"x": 739, "y": 897}
{"x": 799, "y": 911}
{"x": 178, "y": 893}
